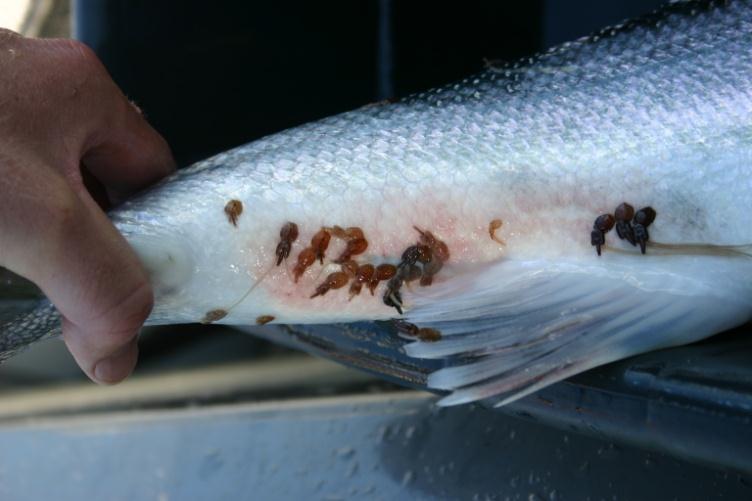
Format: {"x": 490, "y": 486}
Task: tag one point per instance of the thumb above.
{"x": 73, "y": 253}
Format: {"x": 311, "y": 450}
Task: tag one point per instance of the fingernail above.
{"x": 117, "y": 366}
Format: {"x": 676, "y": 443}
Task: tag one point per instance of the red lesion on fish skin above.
{"x": 448, "y": 216}
{"x": 421, "y": 261}
{"x": 463, "y": 239}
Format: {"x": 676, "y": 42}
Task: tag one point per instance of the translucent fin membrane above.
{"x": 512, "y": 327}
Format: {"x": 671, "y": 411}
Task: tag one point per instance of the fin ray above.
{"x": 511, "y": 327}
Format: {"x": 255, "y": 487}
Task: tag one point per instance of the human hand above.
{"x": 71, "y": 143}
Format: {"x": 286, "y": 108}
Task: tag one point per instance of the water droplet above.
{"x": 407, "y": 477}
{"x": 352, "y": 470}
{"x": 512, "y": 435}
{"x": 382, "y": 433}
{"x": 345, "y": 452}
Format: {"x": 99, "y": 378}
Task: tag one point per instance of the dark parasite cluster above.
{"x": 630, "y": 226}
{"x": 420, "y": 261}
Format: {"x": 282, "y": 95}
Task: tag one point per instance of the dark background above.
{"x": 212, "y": 75}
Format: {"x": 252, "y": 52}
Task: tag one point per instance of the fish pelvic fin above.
{"x": 512, "y": 327}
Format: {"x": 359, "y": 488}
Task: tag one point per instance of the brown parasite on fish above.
{"x": 494, "y": 226}
{"x": 355, "y": 241}
{"x": 287, "y": 235}
{"x": 382, "y": 272}
{"x": 233, "y": 210}
{"x": 317, "y": 250}
{"x": 412, "y": 331}
{"x": 440, "y": 249}
{"x": 430, "y": 252}
{"x": 623, "y": 216}
{"x": 335, "y": 280}
{"x": 320, "y": 242}
{"x": 214, "y": 315}
{"x": 642, "y": 219}
{"x": 363, "y": 276}
{"x": 630, "y": 225}
{"x": 601, "y": 226}
{"x": 305, "y": 259}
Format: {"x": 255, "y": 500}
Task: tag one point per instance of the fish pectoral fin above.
{"x": 512, "y": 327}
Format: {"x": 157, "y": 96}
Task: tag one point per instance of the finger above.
{"x": 70, "y": 249}
{"x": 117, "y": 145}
{"x": 127, "y": 154}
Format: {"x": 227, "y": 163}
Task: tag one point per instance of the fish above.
{"x": 517, "y": 227}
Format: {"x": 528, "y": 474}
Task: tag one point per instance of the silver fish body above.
{"x": 509, "y": 169}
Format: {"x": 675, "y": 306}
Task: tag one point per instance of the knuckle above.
{"x": 61, "y": 211}
{"x": 80, "y": 54}
{"x": 80, "y": 68}
{"x": 7, "y": 37}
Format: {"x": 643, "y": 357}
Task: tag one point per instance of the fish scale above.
{"x": 655, "y": 112}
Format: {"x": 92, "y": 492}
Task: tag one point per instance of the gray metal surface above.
{"x": 369, "y": 447}
{"x": 694, "y": 402}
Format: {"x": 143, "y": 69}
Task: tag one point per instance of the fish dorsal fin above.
{"x": 511, "y": 327}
